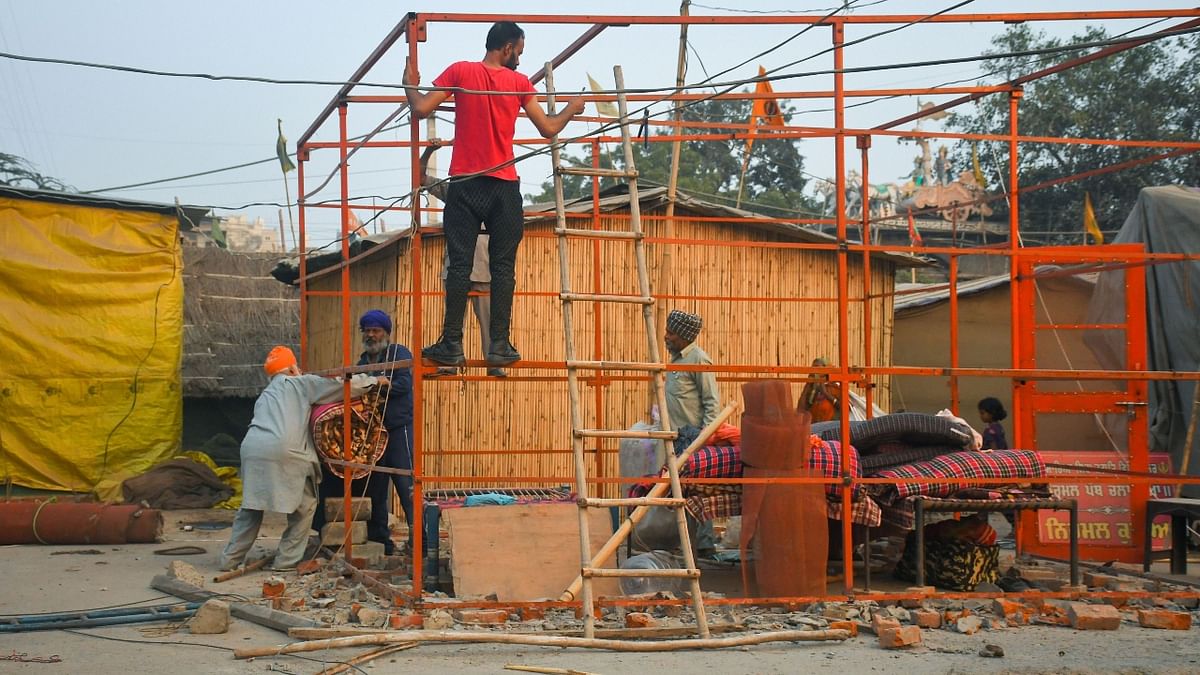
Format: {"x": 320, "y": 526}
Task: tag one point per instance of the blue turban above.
{"x": 376, "y": 318}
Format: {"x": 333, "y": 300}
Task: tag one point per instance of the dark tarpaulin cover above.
{"x": 1166, "y": 220}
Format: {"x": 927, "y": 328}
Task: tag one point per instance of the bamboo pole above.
{"x": 233, "y": 574}
{"x": 546, "y": 669}
{"x": 369, "y": 656}
{"x": 665, "y": 260}
{"x": 658, "y": 490}
{"x": 1191, "y": 436}
{"x": 609, "y": 633}
{"x": 545, "y": 641}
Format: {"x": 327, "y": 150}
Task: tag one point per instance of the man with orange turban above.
{"x": 280, "y": 467}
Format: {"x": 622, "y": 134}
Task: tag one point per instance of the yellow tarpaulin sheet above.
{"x": 91, "y": 314}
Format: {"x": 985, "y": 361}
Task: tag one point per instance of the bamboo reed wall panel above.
{"x": 506, "y": 420}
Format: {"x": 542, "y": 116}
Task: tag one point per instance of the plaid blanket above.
{"x": 1015, "y": 464}
{"x": 889, "y": 458}
{"x": 729, "y": 503}
{"x": 725, "y": 461}
{"x": 713, "y": 461}
{"x": 826, "y": 459}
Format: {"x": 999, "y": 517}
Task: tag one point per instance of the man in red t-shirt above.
{"x": 483, "y": 186}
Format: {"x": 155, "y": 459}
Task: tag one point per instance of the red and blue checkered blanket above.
{"x": 1001, "y": 464}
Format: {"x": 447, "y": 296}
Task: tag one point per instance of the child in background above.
{"x": 992, "y": 412}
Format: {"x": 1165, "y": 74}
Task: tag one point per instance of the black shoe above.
{"x": 445, "y": 353}
{"x": 496, "y": 372}
{"x": 442, "y": 372}
{"x": 502, "y": 353}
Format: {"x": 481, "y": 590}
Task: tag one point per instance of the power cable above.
{"x": 631, "y": 90}
{"x": 845, "y": 6}
{"x": 860, "y": 69}
{"x": 171, "y": 643}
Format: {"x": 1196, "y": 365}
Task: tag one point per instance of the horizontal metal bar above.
{"x": 798, "y": 19}
{"x": 633, "y": 501}
{"x": 609, "y": 572}
{"x": 616, "y": 365}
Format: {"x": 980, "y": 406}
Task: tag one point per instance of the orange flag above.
{"x": 914, "y": 237}
{"x": 763, "y": 110}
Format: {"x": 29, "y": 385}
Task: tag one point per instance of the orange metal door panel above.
{"x": 1128, "y": 399}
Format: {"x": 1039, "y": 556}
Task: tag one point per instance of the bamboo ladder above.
{"x": 654, "y": 367}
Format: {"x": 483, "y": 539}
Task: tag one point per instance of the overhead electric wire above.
{"x": 752, "y": 80}
{"x": 632, "y": 90}
{"x": 611, "y": 125}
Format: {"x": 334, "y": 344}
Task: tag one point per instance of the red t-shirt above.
{"x": 484, "y": 125}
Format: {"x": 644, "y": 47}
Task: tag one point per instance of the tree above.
{"x": 1150, "y": 92}
{"x": 18, "y": 172}
{"x": 709, "y": 169}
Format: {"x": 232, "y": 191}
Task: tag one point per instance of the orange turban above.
{"x": 280, "y": 359}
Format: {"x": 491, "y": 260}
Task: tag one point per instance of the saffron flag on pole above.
{"x": 285, "y": 162}
{"x": 1089, "y": 220}
{"x": 763, "y": 110}
{"x": 914, "y": 237}
{"x": 603, "y": 108}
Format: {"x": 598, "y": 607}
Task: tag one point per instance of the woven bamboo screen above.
{"x": 784, "y": 313}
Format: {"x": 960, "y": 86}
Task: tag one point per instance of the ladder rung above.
{"x": 598, "y": 234}
{"x": 609, "y": 572}
{"x": 633, "y": 501}
{"x": 616, "y": 365}
{"x": 604, "y": 173}
{"x": 625, "y": 433}
{"x": 602, "y": 297}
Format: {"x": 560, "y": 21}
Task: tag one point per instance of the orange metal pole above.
{"x": 839, "y": 155}
{"x": 777, "y": 19}
{"x": 954, "y": 404}
{"x": 1020, "y": 434}
{"x": 418, "y": 440}
{"x": 864, "y": 144}
{"x": 347, "y": 450}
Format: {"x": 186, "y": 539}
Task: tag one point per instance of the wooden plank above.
{"x": 522, "y": 552}
{"x": 263, "y": 616}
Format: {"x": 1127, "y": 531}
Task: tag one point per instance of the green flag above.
{"x": 285, "y": 162}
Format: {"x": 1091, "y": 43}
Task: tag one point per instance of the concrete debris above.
{"x": 211, "y": 619}
{"x": 903, "y": 636}
{"x": 968, "y": 625}
{"x": 1093, "y": 617}
{"x": 184, "y": 572}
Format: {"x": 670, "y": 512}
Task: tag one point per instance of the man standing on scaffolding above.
{"x": 484, "y": 188}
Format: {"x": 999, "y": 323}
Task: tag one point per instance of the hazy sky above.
{"x": 97, "y": 129}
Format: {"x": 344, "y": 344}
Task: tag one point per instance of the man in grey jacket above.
{"x": 280, "y": 467}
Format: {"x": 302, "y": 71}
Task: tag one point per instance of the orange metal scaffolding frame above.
{"x": 1024, "y": 373}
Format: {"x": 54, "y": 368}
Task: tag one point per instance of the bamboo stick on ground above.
{"x": 605, "y": 633}
{"x": 241, "y": 571}
{"x": 546, "y": 669}
{"x": 545, "y": 641}
{"x": 369, "y": 656}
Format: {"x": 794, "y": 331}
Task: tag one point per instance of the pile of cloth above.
{"x": 900, "y": 446}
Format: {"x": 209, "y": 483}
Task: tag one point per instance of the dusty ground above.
{"x": 35, "y": 581}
